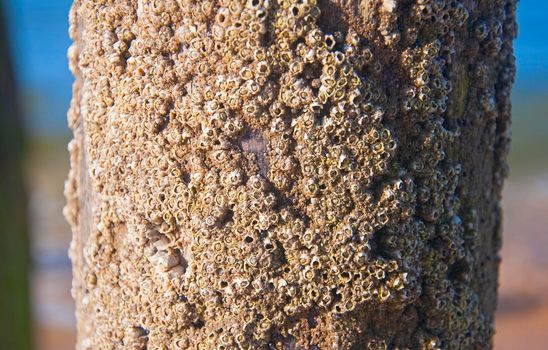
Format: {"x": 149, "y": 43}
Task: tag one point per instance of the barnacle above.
{"x": 252, "y": 162}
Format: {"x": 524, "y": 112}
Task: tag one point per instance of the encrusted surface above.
{"x": 288, "y": 174}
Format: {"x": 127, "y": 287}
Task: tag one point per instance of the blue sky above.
{"x": 39, "y": 33}
{"x": 40, "y": 41}
{"x": 531, "y": 46}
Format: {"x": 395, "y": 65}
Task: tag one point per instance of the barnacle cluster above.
{"x": 291, "y": 174}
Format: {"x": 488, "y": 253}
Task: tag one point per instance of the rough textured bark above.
{"x": 288, "y": 174}
{"x": 14, "y": 244}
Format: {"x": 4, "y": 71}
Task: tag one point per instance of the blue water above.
{"x": 40, "y": 41}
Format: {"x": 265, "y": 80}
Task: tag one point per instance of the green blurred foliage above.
{"x": 15, "y": 331}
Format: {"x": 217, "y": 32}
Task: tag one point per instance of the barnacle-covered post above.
{"x": 15, "y": 330}
{"x": 304, "y": 174}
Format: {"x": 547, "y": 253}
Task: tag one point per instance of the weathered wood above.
{"x": 288, "y": 174}
{"x": 15, "y": 330}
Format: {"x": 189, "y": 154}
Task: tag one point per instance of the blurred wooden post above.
{"x": 15, "y": 329}
{"x": 291, "y": 174}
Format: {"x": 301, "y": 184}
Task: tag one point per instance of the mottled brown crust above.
{"x": 288, "y": 174}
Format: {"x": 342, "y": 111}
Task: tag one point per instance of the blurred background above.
{"x": 38, "y": 41}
